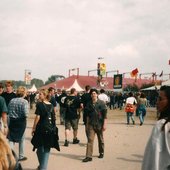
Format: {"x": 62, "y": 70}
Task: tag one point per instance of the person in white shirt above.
{"x": 130, "y": 107}
{"x": 102, "y": 96}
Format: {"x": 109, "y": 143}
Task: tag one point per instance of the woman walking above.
{"x": 41, "y": 140}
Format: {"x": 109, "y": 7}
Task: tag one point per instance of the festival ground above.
{"x": 124, "y": 145}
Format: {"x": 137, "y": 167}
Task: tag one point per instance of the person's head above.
{"x": 142, "y": 95}
{"x": 21, "y": 91}
{"x": 63, "y": 91}
{"x": 44, "y": 95}
{"x": 1, "y": 88}
{"x": 73, "y": 91}
{"x": 94, "y": 94}
{"x": 87, "y": 88}
{"x": 51, "y": 90}
{"x": 130, "y": 94}
{"x": 9, "y": 86}
{"x": 102, "y": 91}
{"x": 163, "y": 102}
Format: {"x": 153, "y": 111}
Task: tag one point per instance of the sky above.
{"x": 50, "y": 37}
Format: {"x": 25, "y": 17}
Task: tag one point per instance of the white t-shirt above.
{"x": 131, "y": 100}
{"x": 103, "y": 97}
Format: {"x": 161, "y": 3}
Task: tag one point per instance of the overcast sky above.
{"x": 50, "y": 37}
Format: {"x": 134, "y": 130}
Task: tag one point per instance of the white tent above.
{"x": 152, "y": 88}
{"x": 76, "y": 86}
{"x": 167, "y": 83}
{"x": 33, "y": 88}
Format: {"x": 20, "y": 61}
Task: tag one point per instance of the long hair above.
{"x": 7, "y": 160}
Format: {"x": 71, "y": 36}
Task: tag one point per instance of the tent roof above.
{"x": 33, "y": 88}
{"x": 76, "y": 86}
{"x": 82, "y": 81}
{"x": 152, "y": 88}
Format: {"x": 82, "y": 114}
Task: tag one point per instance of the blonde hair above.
{"x": 7, "y": 160}
{"x": 21, "y": 91}
{"x": 46, "y": 94}
{"x": 9, "y": 83}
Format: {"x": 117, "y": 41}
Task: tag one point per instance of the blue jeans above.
{"x": 43, "y": 156}
{"x": 21, "y": 146}
{"x": 130, "y": 115}
{"x": 141, "y": 117}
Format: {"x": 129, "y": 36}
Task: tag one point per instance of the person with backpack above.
{"x": 130, "y": 108}
{"x": 44, "y": 131}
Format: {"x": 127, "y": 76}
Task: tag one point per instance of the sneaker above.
{"x": 87, "y": 159}
{"x": 22, "y": 159}
{"x": 66, "y": 143}
{"x": 101, "y": 155}
{"x": 75, "y": 141}
{"x": 133, "y": 122}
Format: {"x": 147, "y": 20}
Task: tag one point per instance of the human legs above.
{"x": 21, "y": 148}
{"x": 132, "y": 118}
{"x": 128, "y": 117}
{"x": 100, "y": 143}
{"x": 91, "y": 136}
{"x": 141, "y": 118}
{"x": 43, "y": 157}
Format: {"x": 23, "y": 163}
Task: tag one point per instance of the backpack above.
{"x": 130, "y": 108}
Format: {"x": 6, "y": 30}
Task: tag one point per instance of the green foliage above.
{"x": 54, "y": 78}
{"x": 131, "y": 87}
{"x": 38, "y": 83}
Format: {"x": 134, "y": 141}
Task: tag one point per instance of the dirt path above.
{"x": 124, "y": 146}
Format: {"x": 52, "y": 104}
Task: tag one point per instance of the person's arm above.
{"x": 104, "y": 125}
{"x": 36, "y": 120}
{"x": 4, "y": 119}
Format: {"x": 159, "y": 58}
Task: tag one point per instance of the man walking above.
{"x": 96, "y": 123}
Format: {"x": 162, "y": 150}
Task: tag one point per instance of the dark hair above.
{"x": 102, "y": 91}
{"x": 93, "y": 90}
{"x": 1, "y": 85}
{"x": 72, "y": 90}
{"x": 50, "y": 89}
{"x": 130, "y": 94}
{"x": 166, "y": 113}
{"x": 87, "y": 87}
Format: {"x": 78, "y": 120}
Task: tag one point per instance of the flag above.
{"x": 161, "y": 74}
{"x": 169, "y": 62}
{"x": 134, "y": 73}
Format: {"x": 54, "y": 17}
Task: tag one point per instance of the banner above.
{"x": 27, "y": 77}
{"x": 117, "y": 81}
{"x": 101, "y": 69}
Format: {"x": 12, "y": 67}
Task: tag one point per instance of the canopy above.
{"x": 152, "y": 88}
{"x": 33, "y": 88}
{"x": 76, "y": 86}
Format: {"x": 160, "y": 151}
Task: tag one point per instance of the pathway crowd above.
{"x": 14, "y": 109}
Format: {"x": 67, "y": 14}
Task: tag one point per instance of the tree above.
{"x": 131, "y": 87}
{"x": 54, "y": 78}
{"x": 38, "y": 83}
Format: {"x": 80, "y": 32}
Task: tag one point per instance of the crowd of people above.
{"x": 93, "y": 104}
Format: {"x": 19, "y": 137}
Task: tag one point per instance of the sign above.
{"x": 117, "y": 81}
{"x": 27, "y": 77}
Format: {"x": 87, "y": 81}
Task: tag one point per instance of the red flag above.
{"x": 169, "y": 62}
{"x": 134, "y": 72}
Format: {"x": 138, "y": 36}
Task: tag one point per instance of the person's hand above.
{"x": 104, "y": 127}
